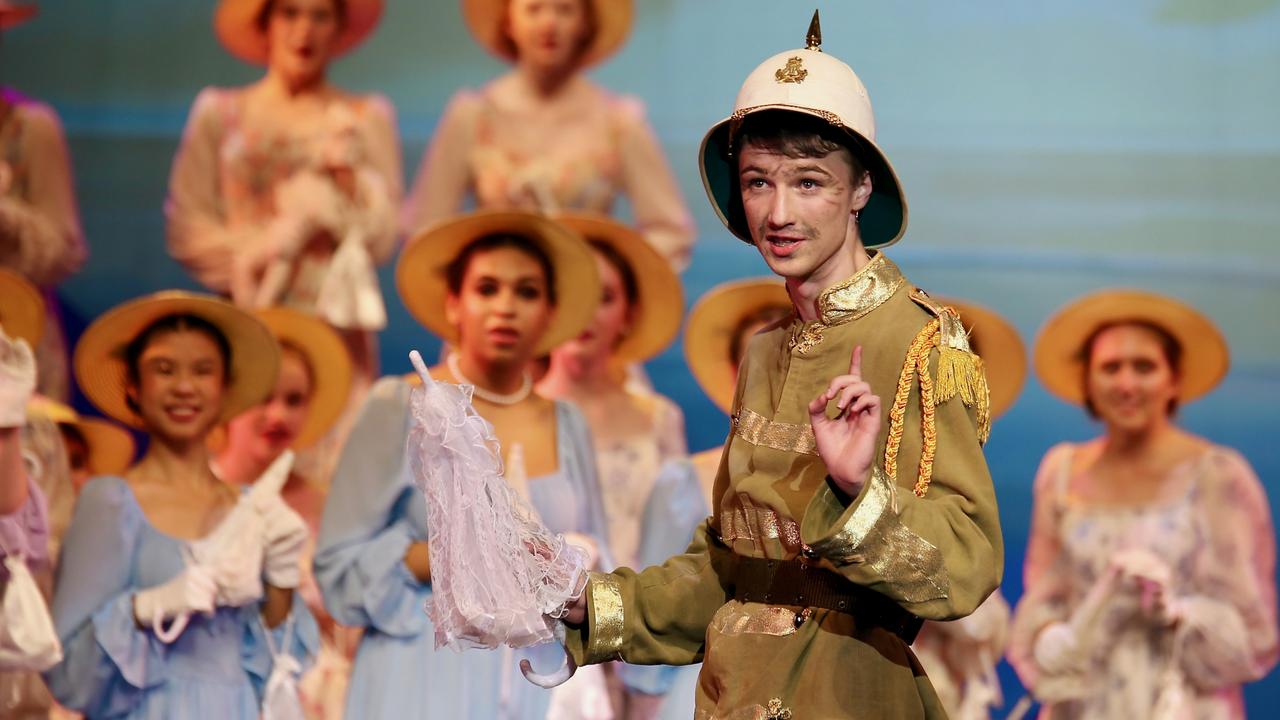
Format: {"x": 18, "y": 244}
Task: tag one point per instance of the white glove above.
{"x": 190, "y": 591}
{"x": 286, "y": 535}
{"x": 1057, "y": 648}
{"x": 237, "y": 571}
{"x": 17, "y": 380}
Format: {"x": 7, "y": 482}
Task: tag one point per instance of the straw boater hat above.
{"x": 14, "y": 14}
{"x": 420, "y": 274}
{"x": 713, "y": 324}
{"x": 111, "y": 447}
{"x": 328, "y": 359}
{"x": 1059, "y": 349}
{"x": 486, "y": 20}
{"x": 100, "y": 362}
{"x": 1004, "y": 357}
{"x": 810, "y": 82}
{"x": 660, "y": 306}
{"x": 236, "y": 24}
{"x": 21, "y": 308}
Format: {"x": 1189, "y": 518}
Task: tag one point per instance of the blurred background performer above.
{"x": 543, "y": 136}
{"x": 30, "y": 451}
{"x": 651, "y": 494}
{"x": 143, "y": 550}
{"x": 40, "y": 236}
{"x": 286, "y": 191}
{"x": 715, "y": 340}
{"x": 1150, "y": 573}
{"x": 502, "y": 288}
{"x": 961, "y": 656}
{"x": 310, "y": 394}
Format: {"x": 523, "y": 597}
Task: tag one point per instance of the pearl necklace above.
{"x": 526, "y": 387}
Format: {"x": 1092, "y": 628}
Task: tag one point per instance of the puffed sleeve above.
{"x": 382, "y": 142}
{"x": 108, "y": 663}
{"x": 1047, "y": 591}
{"x": 1230, "y": 614}
{"x": 370, "y": 518}
{"x": 444, "y": 175}
{"x": 197, "y": 231}
{"x": 938, "y": 556}
{"x": 40, "y": 235}
{"x": 660, "y": 211}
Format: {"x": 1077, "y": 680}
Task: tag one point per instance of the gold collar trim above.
{"x": 868, "y": 289}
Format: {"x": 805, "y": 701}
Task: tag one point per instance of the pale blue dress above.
{"x": 372, "y": 515}
{"x": 673, "y": 511}
{"x": 217, "y": 667}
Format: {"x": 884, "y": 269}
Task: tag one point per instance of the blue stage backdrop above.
{"x": 1047, "y": 150}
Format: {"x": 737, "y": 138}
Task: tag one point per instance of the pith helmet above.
{"x": 810, "y": 82}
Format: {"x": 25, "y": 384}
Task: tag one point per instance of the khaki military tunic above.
{"x": 923, "y": 532}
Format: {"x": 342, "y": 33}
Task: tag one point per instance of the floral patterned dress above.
{"x": 1213, "y": 530}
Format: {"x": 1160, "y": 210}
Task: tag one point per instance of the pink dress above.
{"x": 234, "y": 183}
{"x": 580, "y": 150}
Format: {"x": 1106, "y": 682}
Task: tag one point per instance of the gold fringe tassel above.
{"x": 961, "y": 373}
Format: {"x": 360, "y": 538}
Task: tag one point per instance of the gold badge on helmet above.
{"x": 792, "y": 72}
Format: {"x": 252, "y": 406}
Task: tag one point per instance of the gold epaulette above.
{"x": 959, "y": 374}
{"x": 960, "y": 370}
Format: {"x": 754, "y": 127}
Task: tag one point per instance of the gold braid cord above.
{"x": 916, "y": 365}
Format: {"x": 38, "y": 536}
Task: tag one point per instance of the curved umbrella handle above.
{"x": 552, "y": 679}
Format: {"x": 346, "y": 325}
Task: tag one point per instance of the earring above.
{"x": 855, "y": 216}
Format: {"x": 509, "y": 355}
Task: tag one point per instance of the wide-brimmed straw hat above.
{"x": 235, "y": 22}
{"x": 1059, "y": 350}
{"x": 713, "y": 328}
{"x": 111, "y": 447}
{"x": 100, "y": 362}
{"x": 14, "y": 14}
{"x": 21, "y": 308}
{"x": 996, "y": 341}
{"x": 810, "y": 82}
{"x": 486, "y": 19}
{"x": 660, "y": 307}
{"x": 423, "y": 287}
{"x": 328, "y": 359}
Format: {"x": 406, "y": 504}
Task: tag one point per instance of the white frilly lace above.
{"x": 498, "y": 576}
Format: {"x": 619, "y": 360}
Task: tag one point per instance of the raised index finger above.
{"x": 855, "y": 363}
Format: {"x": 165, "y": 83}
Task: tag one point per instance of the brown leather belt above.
{"x": 801, "y": 584}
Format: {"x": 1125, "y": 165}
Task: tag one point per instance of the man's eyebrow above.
{"x": 814, "y": 169}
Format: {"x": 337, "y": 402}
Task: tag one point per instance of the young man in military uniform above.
{"x": 853, "y": 498}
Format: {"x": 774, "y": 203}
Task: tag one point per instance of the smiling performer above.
{"x": 840, "y": 519}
